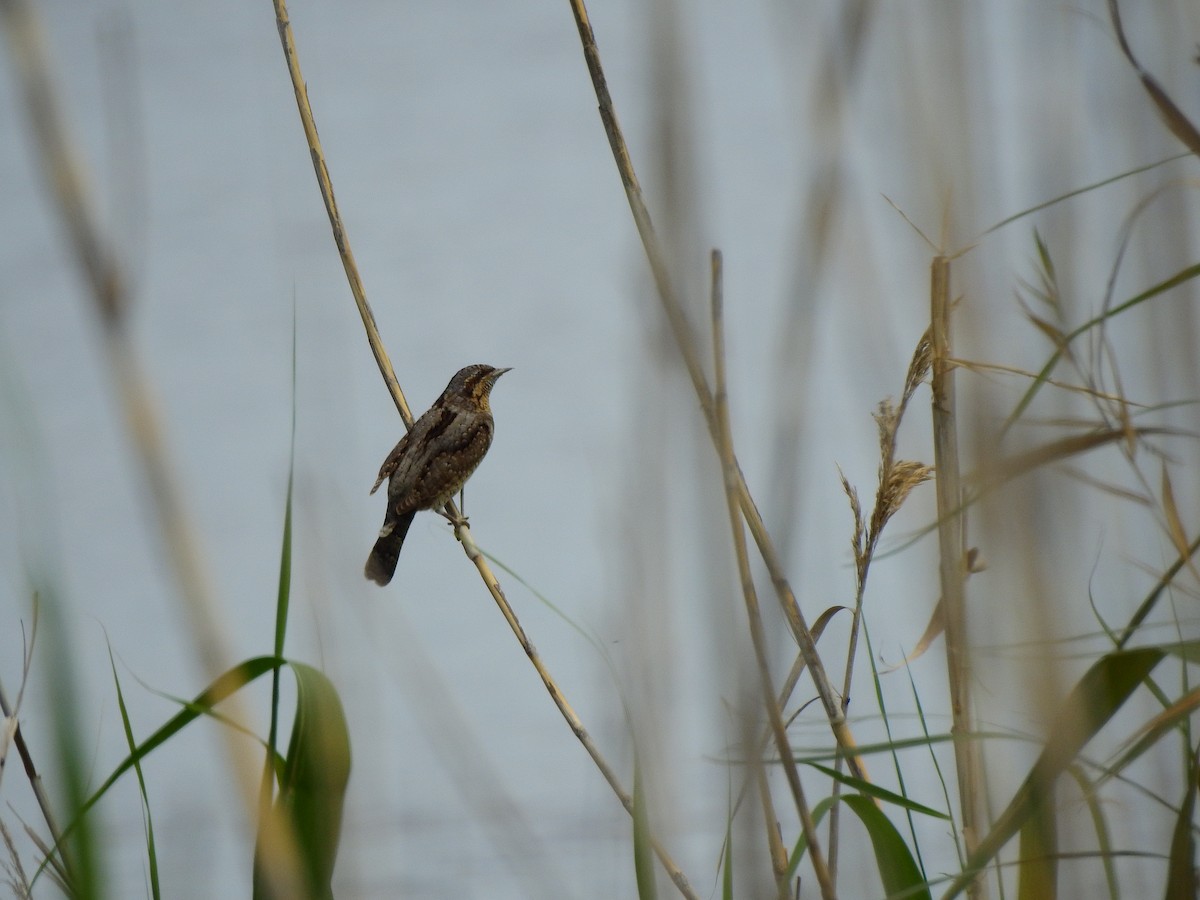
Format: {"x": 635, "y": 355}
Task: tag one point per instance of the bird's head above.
{"x": 475, "y": 382}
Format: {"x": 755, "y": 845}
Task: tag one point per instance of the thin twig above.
{"x": 688, "y": 347}
{"x": 10, "y": 712}
{"x": 461, "y": 531}
{"x": 1174, "y": 118}
{"x": 750, "y": 594}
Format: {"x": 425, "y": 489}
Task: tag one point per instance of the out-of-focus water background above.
{"x": 487, "y": 218}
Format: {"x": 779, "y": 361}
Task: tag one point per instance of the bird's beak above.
{"x": 500, "y": 372}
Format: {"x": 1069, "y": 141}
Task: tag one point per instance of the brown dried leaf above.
{"x": 1172, "y": 115}
{"x": 1050, "y": 330}
{"x": 1107, "y": 487}
{"x": 937, "y": 624}
{"x": 1058, "y": 450}
{"x": 824, "y": 619}
{"x": 1174, "y": 523}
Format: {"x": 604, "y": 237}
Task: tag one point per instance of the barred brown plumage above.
{"x": 433, "y": 461}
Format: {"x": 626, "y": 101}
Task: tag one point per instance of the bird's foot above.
{"x": 456, "y": 521}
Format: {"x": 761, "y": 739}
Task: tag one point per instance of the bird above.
{"x": 433, "y": 461}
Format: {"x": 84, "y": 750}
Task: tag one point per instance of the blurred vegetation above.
{"x": 941, "y": 804}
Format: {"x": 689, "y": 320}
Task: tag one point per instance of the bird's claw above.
{"x": 457, "y": 522}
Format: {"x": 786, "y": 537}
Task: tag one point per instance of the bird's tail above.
{"x": 381, "y": 564}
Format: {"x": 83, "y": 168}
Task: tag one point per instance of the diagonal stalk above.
{"x": 686, "y": 341}
{"x": 461, "y": 530}
{"x": 750, "y": 594}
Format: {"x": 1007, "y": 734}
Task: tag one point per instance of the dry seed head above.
{"x": 856, "y": 511}
{"x": 918, "y": 368}
{"x": 887, "y": 420}
{"x": 901, "y": 479}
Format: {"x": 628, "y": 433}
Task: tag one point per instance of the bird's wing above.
{"x": 393, "y": 460}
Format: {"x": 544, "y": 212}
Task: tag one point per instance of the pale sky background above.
{"x": 489, "y": 224}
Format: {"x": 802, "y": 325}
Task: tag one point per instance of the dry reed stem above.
{"x": 952, "y": 563}
{"x": 12, "y": 729}
{"x": 896, "y": 480}
{"x": 775, "y": 848}
{"x": 57, "y": 156}
{"x": 16, "y": 878}
{"x": 688, "y": 347}
{"x": 340, "y": 238}
{"x": 981, "y": 367}
{"x": 462, "y": 530}
{"x": 750, "y": 594}
{"x": 1173, "y": 117}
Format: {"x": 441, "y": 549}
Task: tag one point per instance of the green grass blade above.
{"x": 937, "y": 768}
{"x": 1103, "y": 839}
{"x": 897, "y": 868}
{"x": 1083, "y": 190}
{"x": 81, "y": 867}
{"x": 879, "y": 793}
{"x": 1147, "y": 605}
{"x": 821, "y": 754}
{"x": 1174, "y": 716}
{"x": 1183, "y": 275}
{"x": 282, "y": 597}
{"x": 1181, "y": 868}
{"x": 818, "y": 813}
{"x": 312, "y": 793}
{"x": 1102, "y": 691}
{"x": 223, "y": 687}
{"x": 643, "y": 852}
{"x": 282, "y": 604}
{"x": 899, "y": 872}
{"x": 881, "y": 702}
{"x": 596, "y": 643}
{"x": 151, "y": 850}
{"x": 727, "y": 861}
{"x": 1038, "y": 878}
{"x": 1188, "y": 651}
